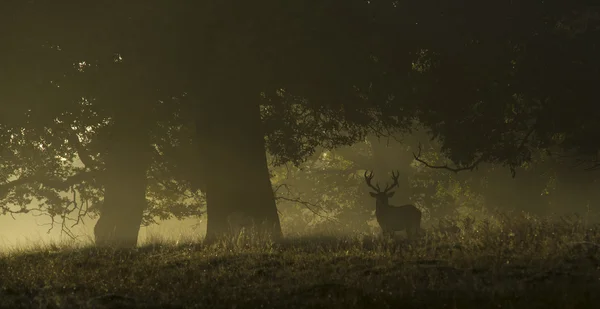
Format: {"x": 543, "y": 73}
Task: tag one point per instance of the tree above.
{"x": 288, "y": 53}
{"x": 89, "y": 108}
{"x": 328, "y": 72}
{"x": 515, "y": 79}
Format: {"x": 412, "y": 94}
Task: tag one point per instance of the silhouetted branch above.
{"x": 57, "y": 184}
{"x": 595, "y": 166}
{"x": 64, "y": 215}
{"x": 82, "y": 211}
{"x": 64, "y": 184}
{"x": 594, "y": 163}
{"x": 445, "y": 166}
{"x": 6, "y": 210}
{"x": 11, "y": 184}
{"x": 526, "y": 138}
{"x": 82, "y": 152}
{"x": 310, "y": 206}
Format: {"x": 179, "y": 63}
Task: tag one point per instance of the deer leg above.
{"x": 410, "y": 232}
{"x": 385, "y": 233}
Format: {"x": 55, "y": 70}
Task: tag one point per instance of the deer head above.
{"x": 380, "y": 196}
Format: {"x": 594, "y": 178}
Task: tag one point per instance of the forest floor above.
{"x": 518, "y": 265}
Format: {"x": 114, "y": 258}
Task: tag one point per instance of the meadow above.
{"x": 508, "y": 262}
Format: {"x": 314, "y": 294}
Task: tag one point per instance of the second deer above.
{"x": 391, "y": 218}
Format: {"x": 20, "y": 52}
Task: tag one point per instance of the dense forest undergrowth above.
{"x": 503, "y": 262}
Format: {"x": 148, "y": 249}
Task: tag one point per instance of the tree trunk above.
{"x": 238, "y": 179}
{"x": 125, "y": 184}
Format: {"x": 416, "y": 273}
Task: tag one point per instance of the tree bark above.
{"x": 238, "y": 179}
{"x": 125, "y": 184}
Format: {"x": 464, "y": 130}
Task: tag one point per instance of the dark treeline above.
{"x": 163, "y": 101}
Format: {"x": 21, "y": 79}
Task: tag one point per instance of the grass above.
{"x": 518, "y": 262}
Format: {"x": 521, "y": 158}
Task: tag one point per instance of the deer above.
{"x": 393, "y": 218}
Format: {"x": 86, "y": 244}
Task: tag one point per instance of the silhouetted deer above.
{"x": 392, "y": 218}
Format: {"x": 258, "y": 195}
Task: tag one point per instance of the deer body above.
{"x": 391, "y": 218}
{"x": 402, "y": 218}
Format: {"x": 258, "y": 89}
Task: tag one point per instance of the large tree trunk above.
{"x": 237, "y": 179}
{"x": 124, "y": 186}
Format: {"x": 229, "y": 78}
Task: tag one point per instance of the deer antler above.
{"x": 395, "y": 179}
{"x": 368, "y": 179}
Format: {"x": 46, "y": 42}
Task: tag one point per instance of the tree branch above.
{"x": 57, "y": 184}
{"x": 82, "y": 152}
{"x": 526, "y": 138}
{"x": 64, "y": 184}
{"x": 445, "y": 166}
{"x": 595, "y": 166}
{"x": 310, "y": 206}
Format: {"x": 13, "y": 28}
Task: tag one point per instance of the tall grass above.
{"x": 515, "y": 261}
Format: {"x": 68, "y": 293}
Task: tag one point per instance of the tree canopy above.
{"x": 163, "y": 99}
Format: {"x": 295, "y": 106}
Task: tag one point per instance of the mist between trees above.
{"x": 269, "y": 113}
{"x": 270, "y": 139}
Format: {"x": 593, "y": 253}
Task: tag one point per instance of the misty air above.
{"x": 299, "y": 154}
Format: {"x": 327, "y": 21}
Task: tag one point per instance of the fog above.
{"x": 318, "y": 190}
{"x": 26, "y": 230}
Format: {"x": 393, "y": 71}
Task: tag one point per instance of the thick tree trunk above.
{"x": 125, "y": 187}
{"x": 237, "y": 179}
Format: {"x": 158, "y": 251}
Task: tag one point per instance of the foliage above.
{"x": 517, "y": 80}
{"x": 321, "y": 194}
{"x": 72, "y": 76}
{"x": 496, "y": 73}
{"x": 328, "y": 190}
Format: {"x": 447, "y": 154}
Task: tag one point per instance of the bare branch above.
{"x": 82, "y": 211}
{"x": 283, "y": 185}
{"x": 310, "y": 206}
{"x": 445, "y": 166}
{"x": 594, "y": 167}
{"x": 526, "y": 138}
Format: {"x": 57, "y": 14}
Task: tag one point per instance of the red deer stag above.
{"x": 392, "y": 218}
